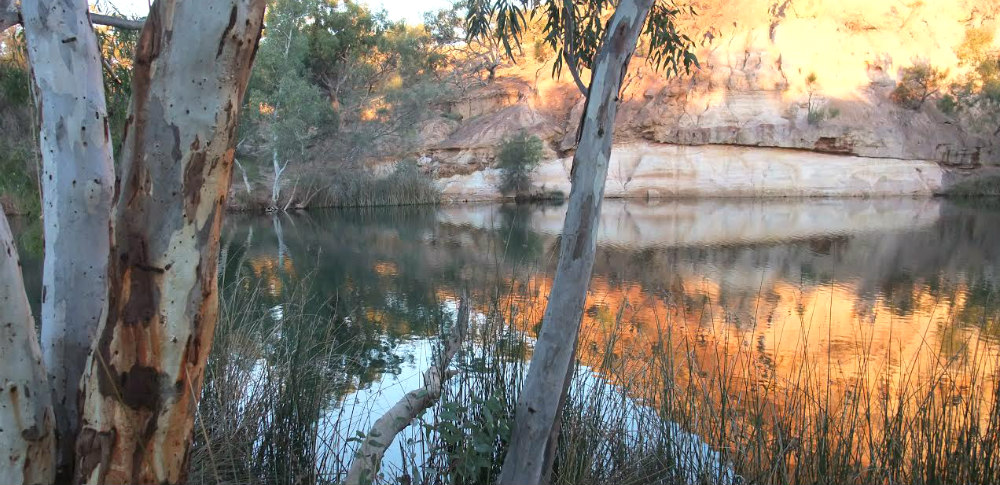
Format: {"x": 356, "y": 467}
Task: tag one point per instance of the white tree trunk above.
{"x": 27, "y": 424}
{"x": 144, "y": 377}
{"x": 243, "y": 172}
{"x": 536, "y": 424}
{"x": 77, "y": 190}
{"x": 279, "y": 169}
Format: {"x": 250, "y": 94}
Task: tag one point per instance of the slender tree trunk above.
{"x": 77, "y": 191}
{"x": 536, "y": 424}
{"x": 27, "y": 424}
{"x": 144, "y": 377}
{"x": 243, "y": 172}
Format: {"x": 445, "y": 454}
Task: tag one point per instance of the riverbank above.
{"x": 638, "y": 171}
{"x": 652, "y": 171}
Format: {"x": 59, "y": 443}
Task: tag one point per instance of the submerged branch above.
{"x": 369, "y": 457}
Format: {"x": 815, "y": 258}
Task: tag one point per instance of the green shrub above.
{"x": 920, "y": 81}
{"x": 948, "y": 104}
{"x": 18, "y": 184}
{"x": 14, "y": 84}
{"x": 517, "y": 159}
{"x": 977, "y": 93}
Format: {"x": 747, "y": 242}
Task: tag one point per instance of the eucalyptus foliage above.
{"x": 575, "y": 30}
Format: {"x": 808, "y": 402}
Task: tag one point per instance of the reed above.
{"x": 642, "y": 409}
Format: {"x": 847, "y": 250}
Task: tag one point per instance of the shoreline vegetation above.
{"x": 368, "y": 192}
{"x": 643, "y": 408}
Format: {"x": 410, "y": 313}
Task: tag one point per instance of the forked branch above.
{"x": 369, "y": 457}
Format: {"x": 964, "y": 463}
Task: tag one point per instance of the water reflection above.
{"x": 755, "y": 305}
{"x": 861, "y": 297}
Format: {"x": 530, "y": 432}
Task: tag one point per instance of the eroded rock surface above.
{"x": 812, "y": 77}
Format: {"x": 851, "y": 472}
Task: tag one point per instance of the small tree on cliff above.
{"x": 517, "y": 159}
{"x": 578, "y": 32}
{"x": 136, "y": 285}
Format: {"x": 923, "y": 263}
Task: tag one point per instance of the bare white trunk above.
{"x": 77, "y": 191}
{"x": 536, "y": 424}
{"x": 368, "y": 459}
{"x": 144, "y": 378}
{"x": 246, "y": 180}
{"x": 279, "y": 169}
{"x": 27, "y": 424}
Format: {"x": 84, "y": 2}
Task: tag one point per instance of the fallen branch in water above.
{"x": 368, "y": 459}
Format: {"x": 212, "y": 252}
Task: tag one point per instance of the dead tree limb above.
{"x": 368, "y": 460}
{"x": 117, "y": 22}
{"x": 10, "y": 15}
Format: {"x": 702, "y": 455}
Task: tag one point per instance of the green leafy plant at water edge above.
{"x": 517, "y": 160}
{"x": 470, "y": 434}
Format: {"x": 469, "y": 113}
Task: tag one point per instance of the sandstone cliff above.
{"x": 741, "y": 125}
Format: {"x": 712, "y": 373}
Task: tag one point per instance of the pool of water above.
{"x": 863, "y": 296}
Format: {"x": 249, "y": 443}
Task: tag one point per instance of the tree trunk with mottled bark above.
{"x": 27, "y": 424}
{"x": 145, "y": 375}
{"x": 536, "y": 424}
{"x": 77, "y": 192}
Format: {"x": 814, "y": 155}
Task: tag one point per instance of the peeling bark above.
{"x": 27, "y": 424}
{"x": 77, "y": 190}
{"x": 536, "y": 424}
{"x": 145, "y": 375}
{"x": 368, "y": 460}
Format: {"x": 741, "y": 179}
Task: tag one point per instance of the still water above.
{"x": 863, "y": 296}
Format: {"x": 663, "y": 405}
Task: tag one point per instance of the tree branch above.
{"x": 117, "y": 22}
{"x": 569, "y": 50}
{"x": 11, "y": 16}
{"x": 369, "y": 457}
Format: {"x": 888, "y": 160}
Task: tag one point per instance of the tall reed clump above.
{"x": 275, "y": 368}
{"x": 405, "y": 185}
{"x": 669, "y": 417}
{"x": 912, "y": 424}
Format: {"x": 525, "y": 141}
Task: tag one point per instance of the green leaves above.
{"x": 517, "y": 159}
{"x": 669, "y": 50}
{"x": 575, "y": 30}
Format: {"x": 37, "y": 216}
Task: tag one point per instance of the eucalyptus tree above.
{"x": 77, "y": 187}
{"x": 27, "y": 422}
{"x": 584, "y": 37}
{"x": 147, "y": 268}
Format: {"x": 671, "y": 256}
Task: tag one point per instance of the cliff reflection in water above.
{"x": 850, "y": 299}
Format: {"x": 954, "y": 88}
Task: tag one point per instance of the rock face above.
{"x": 813, "y": 76}
{"x": 656, "y": 170}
